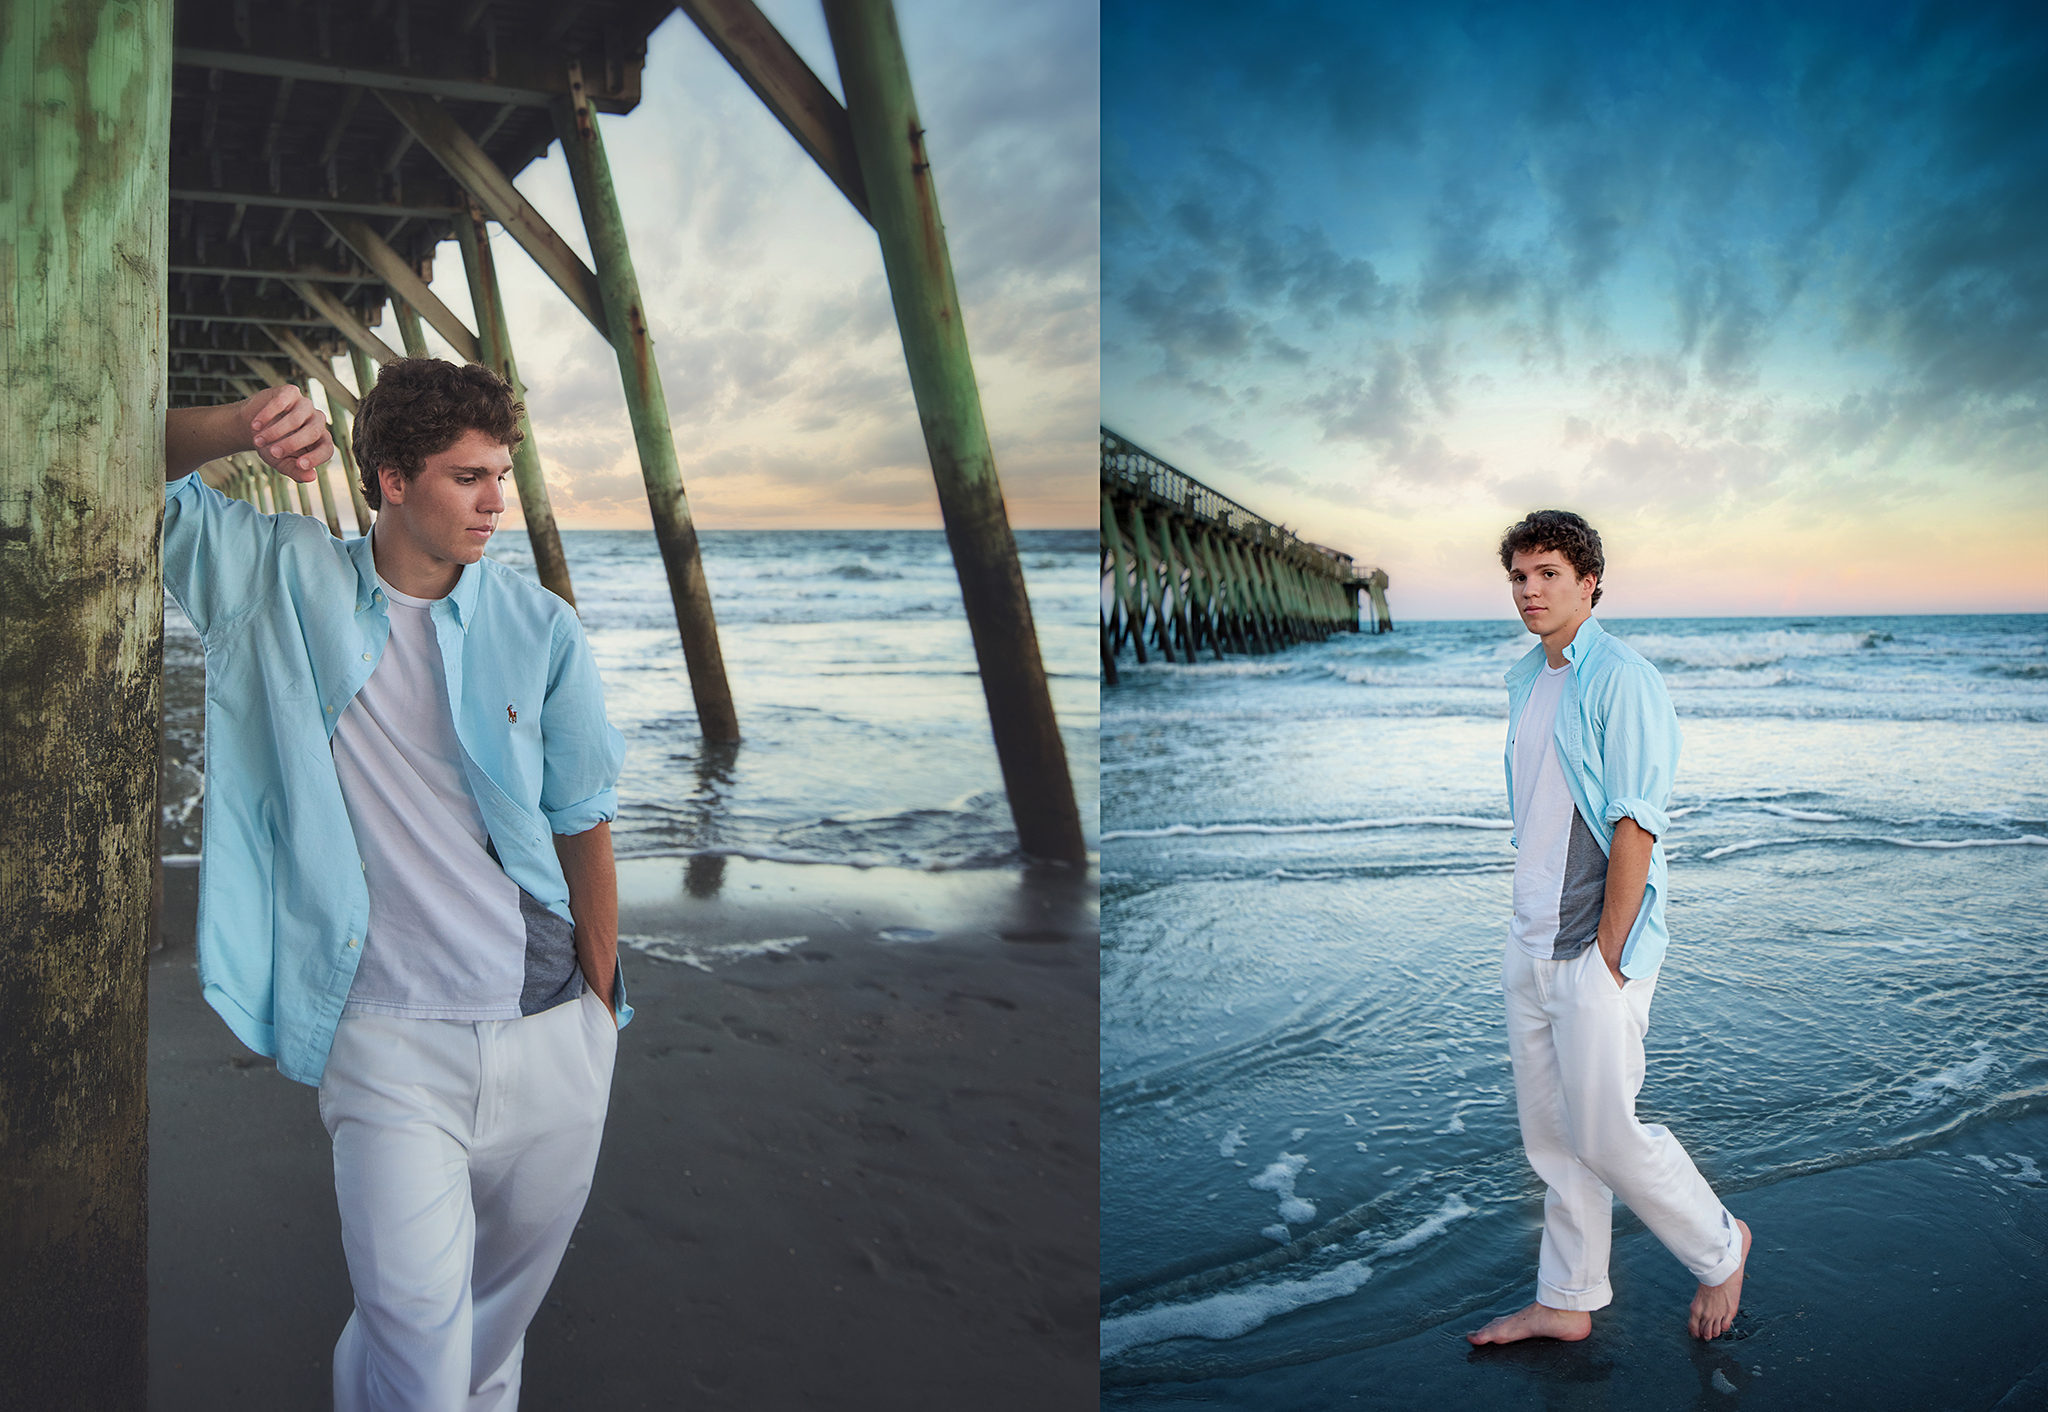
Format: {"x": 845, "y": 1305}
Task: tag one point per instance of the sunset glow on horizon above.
{"x": 1758, "y": 291}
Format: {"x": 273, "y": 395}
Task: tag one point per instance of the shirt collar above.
{"x": 463, "y": 596}
{"x": 1589, "y": 632}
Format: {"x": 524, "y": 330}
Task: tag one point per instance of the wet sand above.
{"x": 1905, "y": 1285}
{"x": 844, "y": 1172}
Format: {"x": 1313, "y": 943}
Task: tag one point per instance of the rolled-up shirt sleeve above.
{"x": 581, "y": 751}
{"x": 1639, "y": 749}
{"x": 215, "y": 549}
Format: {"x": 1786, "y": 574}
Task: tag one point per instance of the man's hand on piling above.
{"x": 287, "y": 431}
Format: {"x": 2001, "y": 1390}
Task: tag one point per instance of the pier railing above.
{"x": 1186, "y": 567}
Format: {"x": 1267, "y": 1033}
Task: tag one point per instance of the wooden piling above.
{"x": 1148, "y": 584}
{"x": 647, "y": 409}
{"x": 494, "y": 347}
{"x": 904, "y": 207}
{"x": 409, "y": 331}
{"x": 344, "y": 441}
{"x": 83, "y": 283}
{"x": 1125, "y": 591}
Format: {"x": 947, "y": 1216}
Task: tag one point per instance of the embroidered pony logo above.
{"x": 511, "y": 715}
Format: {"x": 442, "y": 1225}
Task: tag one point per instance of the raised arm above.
{"x": 280, "y": 424}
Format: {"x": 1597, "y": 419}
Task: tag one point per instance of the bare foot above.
{"x": 1713, "y": 1308}
{"x": 1537, "y": 1321}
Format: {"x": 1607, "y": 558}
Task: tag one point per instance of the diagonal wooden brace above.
{"x": 472, "y": 167}
{"x": 309, "y": 360}
{"x": 404, "y": 282}
{"x": 337, "y": 313}
{"x": 782, "y": 81}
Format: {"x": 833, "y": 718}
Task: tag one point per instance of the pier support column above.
{"x": 409, "y": 330}
{"x": 86, "y": 106}
{"x": 494, "y": 348}
{"x": 344, "y": 440}
{"x": 1119, "y": 585}
{"x": 1126, "y": 592}
{"x": 322, "y": 479}
{"x": 903, "y": 204}
{"x": 1148, "y": 584}
{"x": 647, "y": 407}
{"x": 1181, "y": 615}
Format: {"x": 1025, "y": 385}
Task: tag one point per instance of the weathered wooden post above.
{"x": 83, "y": 275}
{"x": 1181, "y": 590}
{"x": 409, "y": 330}
{"x": 259, "y": 485}
{"x": 1112, "y": 536}
{"x": 904, "y": 206}
{"x": 647, "y": 408}
{"x": 1148, "y": 583}
{"x": 494, "y": 348}
{"x": 344, "y": 441}
{"x": 1383, "y": 619}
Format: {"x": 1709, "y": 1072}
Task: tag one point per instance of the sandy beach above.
{"x": 850, "y": 1163}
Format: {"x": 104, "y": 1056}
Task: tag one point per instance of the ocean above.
{"x": 1312, "y": 1175}
{"x": 866, "y": 735}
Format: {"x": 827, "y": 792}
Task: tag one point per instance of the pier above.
{"x": 1186, "y": 570}
{"x": 215, "y": 196}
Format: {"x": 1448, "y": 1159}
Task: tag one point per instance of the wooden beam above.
{"x": 405, "y": 284}
{"x": 270, "y": 375}
{"x": 474, "y": 170}
{"x": 339, "y": 314}
{"x": 527, "y": 76}
{"x": 247, "y": 183}
{"x": 264, "y": 262}
{"x": 780, "y": 79}
{"x": 238, "y": 309}
{"x": 305, "y": 357}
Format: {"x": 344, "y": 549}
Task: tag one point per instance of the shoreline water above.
{"x": 1305, "y": 877}
{"x": 846, "y": 1172}
{"x": 851, "y": 1158}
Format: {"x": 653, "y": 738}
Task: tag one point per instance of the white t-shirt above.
{"x": 448, "y": 937}
{"x": 1560, "y": 868}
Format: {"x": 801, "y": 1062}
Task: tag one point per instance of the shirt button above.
{"x": 366, "y": 656}
{"x": 351, "y": 943}
{"x": 330, "y": 710}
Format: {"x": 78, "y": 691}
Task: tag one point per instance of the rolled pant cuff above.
{"x": 1598, "y": 1297}
{"x": 1723, "y": 1270}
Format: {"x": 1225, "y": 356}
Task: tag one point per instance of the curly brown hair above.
{"x": 1561, "y": 532}
{"x": 420, "y": 407}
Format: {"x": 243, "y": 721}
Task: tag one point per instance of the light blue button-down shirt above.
{"x": 293, "y": 623}
{"x": 1617, "y": 738}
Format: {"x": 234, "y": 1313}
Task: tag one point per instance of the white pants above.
{"x": 1576, "y": 1039}
{"x": 463, "y": 1153}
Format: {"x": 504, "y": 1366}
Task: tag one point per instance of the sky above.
{"x": 1761, "y": 290}
{"x": 769, "y": 307}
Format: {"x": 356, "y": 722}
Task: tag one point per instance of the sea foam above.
{"x": 1460, "y": 821}
{"x": 1222, "y": 1316}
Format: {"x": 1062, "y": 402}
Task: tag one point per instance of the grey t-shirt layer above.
{"x": 1560, "y": 868}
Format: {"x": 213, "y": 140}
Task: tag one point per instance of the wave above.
{"x": 1749, "y": 650}
{"x": 1346, "y": 826}
{"x": 1237, "y": 1312}
{"x": 703, "y": 958}
{"x": 2025, "y": 840}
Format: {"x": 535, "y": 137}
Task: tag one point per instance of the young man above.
{"x": 396, "y": 727}
{"x": 1592, "y": 747}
